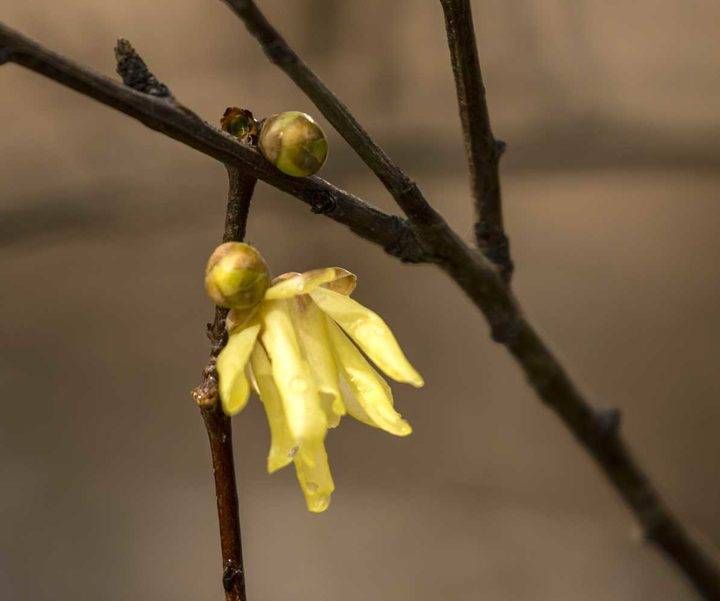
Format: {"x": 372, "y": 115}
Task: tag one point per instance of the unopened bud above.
{"x": 294, "y": 143}
{"x": 236, "y": 276}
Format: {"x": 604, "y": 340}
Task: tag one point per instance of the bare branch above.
{"x": 482, "y": 149}
{"x": 175, "y": 121}
{"x": 597, "y": 431}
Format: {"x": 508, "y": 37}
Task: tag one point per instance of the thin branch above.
{"x": 218, "y": 425}
{"x": 482, "y": 149}
{"x": 170, "y": 118}
{"x": 598, "y": 431}
{"x": 136, "y": 75}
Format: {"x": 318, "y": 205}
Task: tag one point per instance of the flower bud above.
{"x": 240, "y": 123}
{"x": 236, "y": 276}
{"x": 294, "y": 143}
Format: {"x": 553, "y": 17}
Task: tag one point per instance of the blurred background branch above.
{"x": 483, "y": 151}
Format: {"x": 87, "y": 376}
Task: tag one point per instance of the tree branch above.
{"x": 482, "y": 149}
{"x": 170, "y": 118}
{"x": 596, "y": 430}
{"x": 136, "y": 75}
{"x": 219, "y": 425}
{"x": 430, "y": 239}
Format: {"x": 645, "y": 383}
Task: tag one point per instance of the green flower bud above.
{"x": 294, "y": 143}
{"x": 236, "y": 276}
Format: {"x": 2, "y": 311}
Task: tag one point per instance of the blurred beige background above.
{"x": 611, "y": 183}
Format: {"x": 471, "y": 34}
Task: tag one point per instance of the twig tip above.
{"x": 135, "y": 73}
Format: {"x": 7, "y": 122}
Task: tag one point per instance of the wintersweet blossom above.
{"x": 302, "y": 343}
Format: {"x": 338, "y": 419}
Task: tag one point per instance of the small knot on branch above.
{"x": 323, "y": 203}
{"x": 233, "y": 578}
{"x": 500, "y": 148}
{"x": 206, "y": 393}
{"x": 135, "y": 73}
{"x": 608, "y": 421}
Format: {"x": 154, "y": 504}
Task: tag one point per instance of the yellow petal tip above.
{"x": 403, "y": 429}
{"x": 318, "y": 504}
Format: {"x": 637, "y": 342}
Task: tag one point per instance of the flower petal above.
{"x": 313, "y": 474}
{"x": 371, "y": 392}
{"x": 310, "y": 324}
{"x": 282, "y": 445}
{"x": 291, "y": 372}
{"x": 238, "y": 318}
{"x": 291, "y": 284}
{"x": 370, "y": 333}
{"x": 233, "y": 385}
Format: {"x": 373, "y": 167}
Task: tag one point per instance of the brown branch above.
{"x": 136, "y": 75}
{"x": 218, "y": 425}
{"x": 482, "y": 149}
{"x": 170, "y": 118}
{"x": 596, "y": 430}
{"x": 430, "y": 238}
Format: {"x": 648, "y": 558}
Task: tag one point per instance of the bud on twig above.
{"x": 294, "y": 143}
{"x": 236, "y": 276}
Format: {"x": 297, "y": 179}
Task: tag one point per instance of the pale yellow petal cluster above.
{"x": 304, "y": 347}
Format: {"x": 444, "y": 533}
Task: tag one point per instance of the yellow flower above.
{"x": 304, "y": 348}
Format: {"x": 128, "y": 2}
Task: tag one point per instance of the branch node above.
{"x": 323, "y": 203}
{"x": 500, "y": 148}
{"x": 233, "y": 577}
{"x": 135, "y": 73}
{"x": 608, "y": 421}
{"x": 495, "y": 245}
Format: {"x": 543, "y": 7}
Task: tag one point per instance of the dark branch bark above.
{"x": 430, "y": 238}
{"x": 219, "y": 425}
{"x": 597, "y": 431}
{"x": 168, "y": 117}
{"x": 482, "y": 149}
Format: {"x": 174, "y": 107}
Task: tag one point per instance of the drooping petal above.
{"x": 292, "y": 375}
{"x": 370, "y": 333}
{"x": 233, "y": 385}
{"x": 313, "y": 474}
{"x": 353, "y": 407}
{"x": 310, "y": 324}
{"x": 369, "y": 389}
{"x": 291, "y": 284}
{"x": 282, "y": 445}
